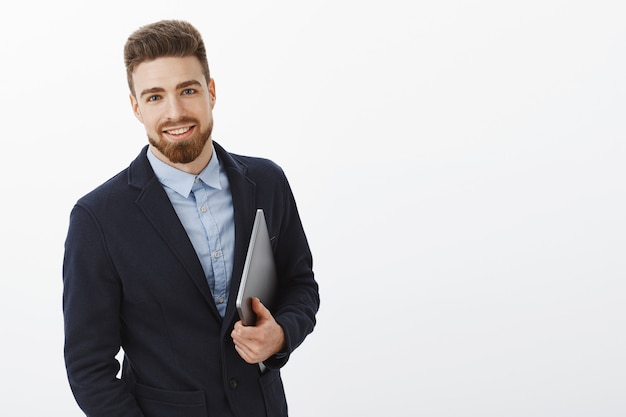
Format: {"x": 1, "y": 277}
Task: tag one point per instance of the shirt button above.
{"x": 217, "y": 254}
{"x": 203, "y": 209}
{"x": 197, "y": 180}
{"x": 220, "y": 299}
{"x": 233, "y": 383}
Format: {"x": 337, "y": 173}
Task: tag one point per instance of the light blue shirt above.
{"x": 205, "y": 208}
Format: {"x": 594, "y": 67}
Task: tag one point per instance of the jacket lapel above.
{"x": 156, "y": 206}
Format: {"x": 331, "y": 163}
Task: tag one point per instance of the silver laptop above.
{"x": 259, "y": 272}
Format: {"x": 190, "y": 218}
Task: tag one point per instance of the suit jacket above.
{"x": 133, "y": 280}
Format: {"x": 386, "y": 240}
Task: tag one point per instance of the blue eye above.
{"x": 188, "y": 91}
{"x": 154, "y": 98}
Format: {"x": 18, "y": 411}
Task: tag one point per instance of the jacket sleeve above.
{"x": 91, "y": 310}
{"x": 298, "y": 300}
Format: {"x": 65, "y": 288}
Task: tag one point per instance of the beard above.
{"x": 185, "y": 151}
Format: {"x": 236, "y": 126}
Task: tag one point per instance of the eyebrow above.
{"x": 182, "y": 85}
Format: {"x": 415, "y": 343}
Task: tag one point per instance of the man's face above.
{"x": 174, "y": 103}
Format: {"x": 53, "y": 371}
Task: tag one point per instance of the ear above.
{"x": 135, "y": 105}
{"x": 212, "y": 92}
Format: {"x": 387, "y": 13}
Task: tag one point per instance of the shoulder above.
{"x": 107, "y": 194}
{"x": 126, "y": 185}
{"x": 253, "y": 167}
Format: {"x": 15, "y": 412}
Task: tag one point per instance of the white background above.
{"x": 458, "y": 165}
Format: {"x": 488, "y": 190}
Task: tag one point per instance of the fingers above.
{"x": 247, "y": 343}
{"x": 246, "y": 353}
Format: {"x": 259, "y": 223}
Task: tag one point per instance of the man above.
{"x": 154, "y": 257}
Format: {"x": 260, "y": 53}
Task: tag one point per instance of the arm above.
{"x": 298, "y": 298}
{"x": 91, "y": 309}
{"x": 278, "y": 334}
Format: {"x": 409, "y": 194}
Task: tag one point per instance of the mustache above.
{"x": 174, "y": 123}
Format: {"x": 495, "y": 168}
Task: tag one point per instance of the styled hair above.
{"x": 166, "y": 38}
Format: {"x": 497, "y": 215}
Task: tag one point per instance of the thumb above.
{"x": 261, "y": 311}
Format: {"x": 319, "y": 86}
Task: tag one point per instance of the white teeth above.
{"x": 178, "y": 131}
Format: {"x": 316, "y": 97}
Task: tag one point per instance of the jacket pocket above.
{"x": 155, "y": 402}
{"x": 274, "y": 394}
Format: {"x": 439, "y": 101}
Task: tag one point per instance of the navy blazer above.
{"x": 133, "y": 280}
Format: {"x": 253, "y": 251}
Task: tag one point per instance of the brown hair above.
{"x": 175, "y": 38}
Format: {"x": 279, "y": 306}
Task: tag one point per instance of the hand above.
{"x": 257, "y": 343}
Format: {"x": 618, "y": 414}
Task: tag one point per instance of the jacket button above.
{"x": 233, "y": 383}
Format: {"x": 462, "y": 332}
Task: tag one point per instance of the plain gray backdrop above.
{"x": 459, "y": 168}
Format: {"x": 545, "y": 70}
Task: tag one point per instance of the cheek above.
{"x": 149, "y": 120}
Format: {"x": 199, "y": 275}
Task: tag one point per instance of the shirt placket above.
{"x": 217, "y": 276}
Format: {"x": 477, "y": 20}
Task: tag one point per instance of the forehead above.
{"x": 167, "y": 72}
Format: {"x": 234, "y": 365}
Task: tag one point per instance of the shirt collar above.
{"x": 182, "y": 182}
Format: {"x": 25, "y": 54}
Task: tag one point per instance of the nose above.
{"x": 175, "y": 109}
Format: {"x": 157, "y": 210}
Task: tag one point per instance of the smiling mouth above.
{"x": 179, "y": 131}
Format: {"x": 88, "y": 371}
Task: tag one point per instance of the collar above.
{"x": 182, "y": 182}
